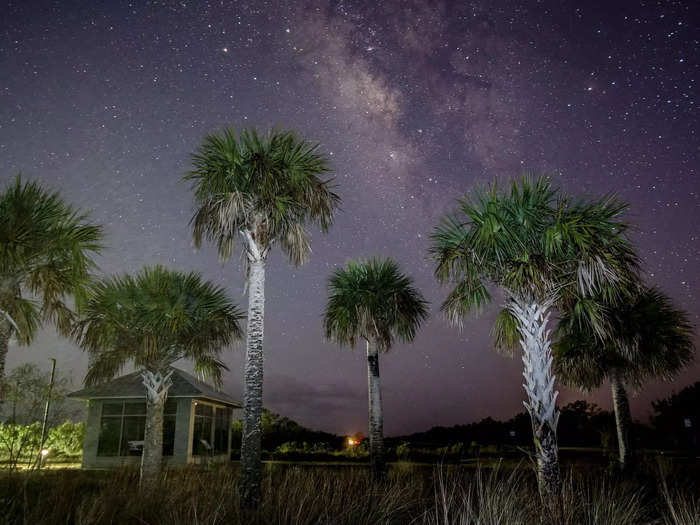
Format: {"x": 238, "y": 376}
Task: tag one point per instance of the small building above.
{"x": 196, "y": 422}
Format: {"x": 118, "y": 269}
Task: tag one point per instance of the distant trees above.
{"x": 676, "y": 418}
{"x": 646, "y": 338}
{"x": 46, "y": 256}
{"x": 582, "y": 424}
{"x": 26, "y": 392}
{"x": 265, "y": 190}
{"x": 277, "y": 430}
{"x": 153, "y": 319}
{"x": 375, "y": 302}
{"x": 540, "y": 248}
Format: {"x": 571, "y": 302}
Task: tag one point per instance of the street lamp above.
{"x": 44, "y": 453}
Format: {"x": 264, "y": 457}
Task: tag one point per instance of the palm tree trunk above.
{"x": 5, "y": 333}
{"x": 9, "y": 288}
{"x": 539, "y": 385}
{"x": 157, "y": 385}
{"x": 376, "y": 416}
{"x": 623, "y": 420}
{"x": 253, "y": 388}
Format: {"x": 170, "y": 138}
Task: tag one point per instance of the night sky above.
{"x": 414, "y": 102}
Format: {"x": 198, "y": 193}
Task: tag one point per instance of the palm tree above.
{"x": 151, "y": 320}
{"x": 538, "y": 247}
{"x": 648, "y": 338}
{"x": 46, "y": 250}
{"x": 265, "y": 189}
{"x": 374, "y": 301}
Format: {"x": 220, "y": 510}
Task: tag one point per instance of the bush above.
{"x": 403, "y": 451}
{"x": 19, "y": 443}
{"x": 304, "y": 451}
{"x": 66, "y": 439}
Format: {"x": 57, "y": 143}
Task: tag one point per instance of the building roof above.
{"x": 131, "y": 386}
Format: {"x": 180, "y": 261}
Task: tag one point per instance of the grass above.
{"x": 299, "y": 495}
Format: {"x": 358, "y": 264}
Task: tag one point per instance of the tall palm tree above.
{"x": 648, "y": 338}
{"x": 151, "y": 320}
{"x": 538, "y": 247}
{"x": 46, "y": 250}
{"x": 263, "y": 189}
{"x": 374, "y": 301}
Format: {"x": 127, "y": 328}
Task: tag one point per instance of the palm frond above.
{"x": 646, "y": 338}
{"x": 531, "y": 241}
{"x": 373, "y": 300}
{"x": 470, "y": 294}
{"x": 47, "y": 248}
{"x": 155, "y": 318}
{"x": 506, "y": 336}
{"x": 270, "y": 185}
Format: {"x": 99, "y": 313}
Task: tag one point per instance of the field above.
{"x": 664, "y": 493}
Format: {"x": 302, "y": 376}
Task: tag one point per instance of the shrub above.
{"x": 403, "y": 450}
{"x": 19, "y": 443}
{"x": 66, "y": 439}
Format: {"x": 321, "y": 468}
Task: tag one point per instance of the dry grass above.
{"x": 682, "y": 506}
{"x": 191, "y": 496}
{"x": 590, "y": 501}
{"x": 334, "y": 495}
{"x": 481, "y": 498}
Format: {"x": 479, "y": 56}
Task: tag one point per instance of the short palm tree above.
{"x": 648, "y": 338}
{"x": 539, "y": 248}
{"x": 151, "y": 320}
{"x": 374, "y": 301}
{"x": 46, "y": 250}
{"x": 263, "y": 189}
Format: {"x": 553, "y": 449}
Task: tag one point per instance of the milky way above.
{"x": 414, "y": 102}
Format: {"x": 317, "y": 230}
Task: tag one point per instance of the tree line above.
{"x": 575, "y": 298}
{"x": 673, "y": 426}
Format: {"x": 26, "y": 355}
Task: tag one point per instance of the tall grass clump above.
{"x": 481, "y": 498}
{"x": 682, "y": 507}
{"x": 322, "y": 495}
{"x": 495, "y": 496}
{"x": 602, "y": 500}
{"x": 198, "y": 497}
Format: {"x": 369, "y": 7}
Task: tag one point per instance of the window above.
{"x": 211, "y": 430}
{"x": 121, "y": 428}
{"x": 222, "y": 424}
{"x": 123, "y": 425}
{"x": 133, "y": 428}
{"x": 169, "y": 417}
{"x": 201, "y": 439}
{"x": 110, "y": 435}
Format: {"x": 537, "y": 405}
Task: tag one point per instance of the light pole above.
{"x": 41, "y": 454}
